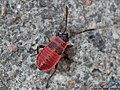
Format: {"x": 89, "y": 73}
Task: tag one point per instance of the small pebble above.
{"x": 101, "y": 64}
{"x": 30, "y": 88}
{"x": 113, "y": 51}
{"x": 3, "y": 10}
{"x": 102, "y": 84}
{"x": 71, "y": 84}
{"x": 13, "y": 47}
{"x": 87, "y": 2}
{"x": 108, "y": 72}
{"x": 82, "y": 18}
{"x": 115, "y": 35}
{"x": 92, "y": 25}
{"x": 118, "y": 61}
{"x": 18, "y": 6}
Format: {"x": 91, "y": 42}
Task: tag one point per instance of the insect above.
{"x": 51, "y": 54}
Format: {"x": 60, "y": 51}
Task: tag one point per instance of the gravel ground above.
{"x": 94, "y": 60}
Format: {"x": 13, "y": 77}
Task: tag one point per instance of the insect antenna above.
{"x": 75, "y": 33}
{"x": 100, "y": 27}
{"x": 65, "y": 21}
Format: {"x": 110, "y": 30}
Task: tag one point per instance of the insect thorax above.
{"x": 57, "y": 45}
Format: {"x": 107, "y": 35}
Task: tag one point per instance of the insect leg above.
{"x": 47, "y": 85}
{"x": 33, "y": 50}
{"x": 69, "y": 46}
{"x": 57, "y": 33}
{"x": 38, "y": 47}
{"x": 66, "y": 56}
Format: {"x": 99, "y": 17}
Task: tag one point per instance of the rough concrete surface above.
{"x": 94, "y": 58}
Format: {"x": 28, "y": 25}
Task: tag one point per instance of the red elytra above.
{"x": 51, "y": 54}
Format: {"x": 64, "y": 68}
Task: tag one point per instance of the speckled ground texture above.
{"x": 94, "y": 59}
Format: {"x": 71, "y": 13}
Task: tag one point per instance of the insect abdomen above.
{"x": 51, "y": 54}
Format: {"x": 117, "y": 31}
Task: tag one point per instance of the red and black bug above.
{"x": 50, "y": 55}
